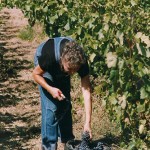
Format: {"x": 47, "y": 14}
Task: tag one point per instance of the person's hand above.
{"x": 87, "y": 128}
{"x": 56, "y": 93}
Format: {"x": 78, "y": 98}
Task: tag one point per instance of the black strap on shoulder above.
{"x": 48, "y": 49}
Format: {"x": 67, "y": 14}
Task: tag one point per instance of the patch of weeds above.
{"x": 36, "y": 33}
{"x": 27, "y": 34}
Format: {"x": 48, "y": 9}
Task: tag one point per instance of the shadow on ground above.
{"x": 14, "y": 136}
{"x": 109, "y": 142}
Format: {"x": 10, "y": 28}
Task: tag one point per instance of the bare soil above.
{"x": 20, "y": 114}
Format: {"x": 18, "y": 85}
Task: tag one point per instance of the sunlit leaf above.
{"x": 122, "y": 101}
{"x": 111, "y": 59}
{"x": 106, "y": 18}
{"x": 138, "y": 48}
{"x": 28, "y": 7}
{"x": 143, "y": 93}
{"x": 113, "y": 99}
{"x": 79, "y": 31}
{"x": 100, "y": 34}
{"x": 133, "y": 2}
{"x": 67, "y": 26}
{"x": 141, "y": 128}
{"x": 138, "y": 35}
{"x": 52, "y": 19}
{"x": 121, "y": 64}
{"x": 119, "y": 35}
{"x": 45, "y": 9}
{"x": 141, "y": 108}
{"x": 114, "y": 19}
{"x": 106, "y": 27}
{"x": 146, "y": 40}
{"x": 92, "y": 56}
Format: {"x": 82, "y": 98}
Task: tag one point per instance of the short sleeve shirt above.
{"x": 48, "y": 63}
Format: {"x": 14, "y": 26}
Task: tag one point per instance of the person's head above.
{"x": 72, "y": 57}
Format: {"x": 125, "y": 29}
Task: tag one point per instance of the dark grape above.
{"x": 84, "y": 145}
{"x": 99, "y": 146}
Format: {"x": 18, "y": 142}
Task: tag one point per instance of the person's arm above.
{"x": 37, "y": 76}
{"x": 86, "y": 90}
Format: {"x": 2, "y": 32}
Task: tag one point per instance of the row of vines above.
{"x": 115, "y": 35}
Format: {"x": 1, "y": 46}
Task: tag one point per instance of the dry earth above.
{"x": 20, "y": 105}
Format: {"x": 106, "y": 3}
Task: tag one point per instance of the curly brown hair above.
{"x": 73, "y": 53}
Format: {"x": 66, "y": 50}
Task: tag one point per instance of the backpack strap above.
{"x": 57, "y": 42}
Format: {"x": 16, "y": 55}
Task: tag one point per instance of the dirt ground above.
{"x": 20, "y": 113}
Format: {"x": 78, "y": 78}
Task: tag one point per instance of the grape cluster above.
{"x": 99, "y": 146}
{"x": 84, "y": 145}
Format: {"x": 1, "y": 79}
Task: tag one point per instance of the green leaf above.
{"x": 45, "y": 9}
{"x": 79, "y": 30}
{"x": 126, "y": 74}
{"x": 113, "y": 99}
{"x": 120, "y": 35}
{"x": 67, "y": 26}
{"x": 106, "y": 27}
{"x": 146, "y": 40}
{"x": 113, "y": 74}
{"x": 141, "y": 128}
{"x": 143, "y": 93}
{"x": 138, "y": 35}
{"x": 94, "y": 46}
{"x": 53, "y": 18}
{"x": 143, "y": 49}
{"x": 140, "y": 108}
{"x": 100, "y": 35}
{"x": 73, "y": 18}
{"x": 123, "y": 104}
{"x": 145, "y": 70}
{"x": 133, "y": 3}
{"x": 114, "y": 19}
{"x": 103, "y": 102}
{"x": 92, "y": 56}
{"x": 121, "y": 64}
{"x": 122, "y": 101}
{"x": 143, "y": 122}
{"x": 148, "y": 88}
{"x": 27, "y": 7}
{"x": 106, "y": 18}
{"x": 111, "y": 59}
{"x": 120, "y": 51}
{"x": 132, "y": 145}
